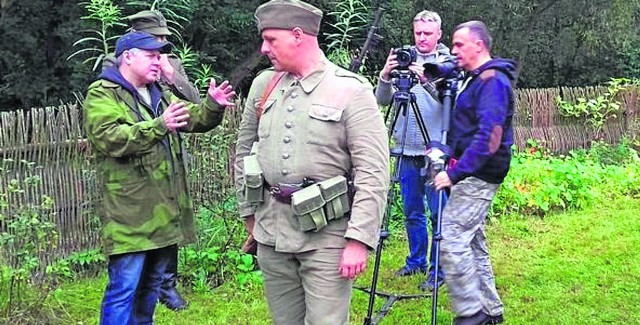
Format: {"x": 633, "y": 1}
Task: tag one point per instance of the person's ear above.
{"x": 298, "y": 33}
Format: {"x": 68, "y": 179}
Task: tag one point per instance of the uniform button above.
{"x": 288, "y": 125}
{"x": 285, "y": 156}
{"x": 285, "y": 172}
{"x": 290, "y": 108}
{"x": 286, "y": 139}
{"x": 294, "y": 95}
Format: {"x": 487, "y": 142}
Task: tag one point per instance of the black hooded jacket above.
{"x": 481, "y": 132}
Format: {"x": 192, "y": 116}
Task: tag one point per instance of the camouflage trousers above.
{"x": 463, "y": 249}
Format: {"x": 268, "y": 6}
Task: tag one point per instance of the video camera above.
{"x": 447, "y": 69}
{"x": 405, "y": 55}
{"x": 404, "y": 79}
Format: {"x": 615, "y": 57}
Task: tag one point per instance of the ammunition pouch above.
{"x": 253, "y": 180}
{"x": 320, "y": 203}
{"x": 308, "y": 204}
{"x": 336, "y": 193}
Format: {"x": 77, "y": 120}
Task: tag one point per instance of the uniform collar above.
{"x": 312, "y": 80}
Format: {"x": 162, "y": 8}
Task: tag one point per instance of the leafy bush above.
{"x": 216, "y": 257}
{"x": 26, "y": 235}
{"x": 539, "y": 183}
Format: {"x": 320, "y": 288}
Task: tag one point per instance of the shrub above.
{"x": 26, "y": 235}
{"x": 539, "y": 183}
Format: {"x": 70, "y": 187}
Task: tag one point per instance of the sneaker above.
{"x": 479, "y": 318}
{"x": 431, "y": 283}
{"x": 407, "y": 271}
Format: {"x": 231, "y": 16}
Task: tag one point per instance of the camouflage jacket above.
{"x": 140, "y": 165}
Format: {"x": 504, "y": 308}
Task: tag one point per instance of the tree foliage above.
{"x": 556, "y": 43}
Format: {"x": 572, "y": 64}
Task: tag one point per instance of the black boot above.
{"x": 169, "y": 296}
{"x": 479, "y": 318}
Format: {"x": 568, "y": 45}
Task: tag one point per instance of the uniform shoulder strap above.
{"x": 267, "y": 91}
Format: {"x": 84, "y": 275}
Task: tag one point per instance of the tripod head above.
{"x": 403, "y": 81}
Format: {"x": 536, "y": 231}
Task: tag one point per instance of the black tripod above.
{"x": 403, "y": 99}
{"x": 448, "y": 92}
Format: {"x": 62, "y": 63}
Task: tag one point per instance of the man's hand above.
{"x": 354, "y": 259}
{"x": 250, "y": 246}
{"x": 222, "y": 94}
{"x": 248, "y": 223}
{"x": 176, "y": 116}
{"x": 442, "y": 180}
{"x": 167, "y": 69}
{"x": 391, "y": 64}
{"x": 418, "y": 70}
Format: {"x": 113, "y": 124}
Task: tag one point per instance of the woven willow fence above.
{"x": 52, "y": 139}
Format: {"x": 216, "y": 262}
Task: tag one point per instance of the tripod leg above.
{"x": 437, "y": 237}
{"x": 374, "y": 281}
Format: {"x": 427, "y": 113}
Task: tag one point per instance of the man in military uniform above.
{"x": 308, "y": 128}
{"x": 132, "y": 126}
{"x": 481, "y": 139}
{"x": 174, "y": 77}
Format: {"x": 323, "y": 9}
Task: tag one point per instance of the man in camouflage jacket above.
{"x": 132, "y": 126}
{"x": 173, "y": 77}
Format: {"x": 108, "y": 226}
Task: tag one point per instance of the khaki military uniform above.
{"x": 324, "y": 125}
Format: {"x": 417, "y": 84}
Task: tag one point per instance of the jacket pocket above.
{"x": 325, "y": 127}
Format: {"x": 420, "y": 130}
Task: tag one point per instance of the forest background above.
{"x": 556, "y": 43}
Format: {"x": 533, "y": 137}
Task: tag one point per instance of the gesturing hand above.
{"x": 176, "y": 116}
{"x": 222, "y": 94}
{"x": 354, "y": 259}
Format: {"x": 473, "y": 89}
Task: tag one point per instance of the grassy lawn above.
{"x": 572, "y": 268}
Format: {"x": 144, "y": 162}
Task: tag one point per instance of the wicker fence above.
{"x": 52, "y": 139}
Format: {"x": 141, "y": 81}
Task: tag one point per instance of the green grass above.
{"x": 571, "y": 268}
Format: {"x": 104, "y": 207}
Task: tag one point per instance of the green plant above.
{"x": 596, "y": 111}
{"x": 202, "y": 77}
{"x": 351, "y": 17}
{"x": 619, "y": 154}
{"x": 26, "y": 235}
{"x": 103, "y": 15}
{"x": 215, "y": 258}
{"x": 539, "y": 183}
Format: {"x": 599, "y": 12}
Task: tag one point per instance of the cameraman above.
{"x": 481, "y": 139}
{"x": 410, "y": 143}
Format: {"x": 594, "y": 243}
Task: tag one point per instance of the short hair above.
{"x": 428, "y": 16}
{"x": 478, "y": 29}
{"x": 119, "y": 59}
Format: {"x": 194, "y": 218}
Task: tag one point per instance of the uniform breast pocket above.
{"x": 324, "y": 124}
{"x": 265, "y": 118}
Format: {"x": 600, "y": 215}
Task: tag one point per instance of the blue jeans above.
{"x": 134, "y": 283}
{"x": 415, "y": 196}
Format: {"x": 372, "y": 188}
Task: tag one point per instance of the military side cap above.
{"x": 149, "y": 21}
{"x": 288, "y": 14}
{"x": 140, "y": 40}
